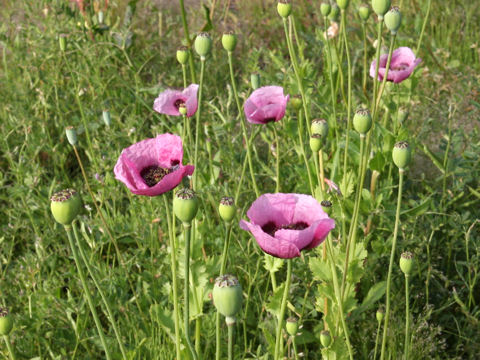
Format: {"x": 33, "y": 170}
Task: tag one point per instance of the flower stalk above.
{"x": 9, "y": 346}
{"x": 349, "y": 92}
{"x": 283, "y": 307}
{"x": 197, "y": 122}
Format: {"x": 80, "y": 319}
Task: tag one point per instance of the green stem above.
{"x": 86, "y": 291}
{"x": 390, "y": 267}
{"x": 230, "y": 341}
{"x": 295, "y": 352}
{"x": 283, "y": 307}
{"x": 277, "y": 147}
{"x": 9, "y": 346}
{"x": 425, "y": 21}
{"x": 197, "y": 123}
{"x": 304, "y": 154}
{"x": 173, "y": 268}
{"x": 188, "y": 41}
{"x": 377, "y": 62}
{"x": 184, "y": 72}
{"x": 407, "y": 317}
{"x": 384, "y": 81}
{"x": 332, "y": 87}
{"x": 365, "y": 53}
{"x": 186, "y": 310}
{"x": 376, "y": 340}
{"x": 349, "y": 94}
{"x": 100, "y": 291}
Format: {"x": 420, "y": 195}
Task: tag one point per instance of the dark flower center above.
{"x": 269, "y": 120}
{"x": 270, "y": 227}
{"x": 178, "y": 102}
{"x": 400, "y": 67}
{"x": 152, "y": 175}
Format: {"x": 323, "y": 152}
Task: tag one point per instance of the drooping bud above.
{"x": 327, "y": 206}
{"x": 296, "y": 102}
{"x": 227, "y": 209}
{"x": 380, "y": 314}
{"x": 203, "y": 44}
{"x": 380, "y": 7}
{"x": 182, "y": 55}
{"x": 364, "y": 12}
{"x": 229, "y": 41}
{"x": 62, "y": 42}
{"x": 319, "y": 126}
{"x": 393, "y": 19}
{"x": 255, "y": 80}
{"x": 71, "y": 135}
{"x": 325, "y": 9}
{"x": 406, "y": 262}
{"x": 401, "y": 154}
{"x": 6, "y": 322}
{"x": 362, "y": 121}
{"x": 65, "y": 206}
{"x": 334, "y": 13}
{"x": 107, "y": 120}
{"x": 292, "y": 326}
{"x": 325, "y": 338}
{"x": 227, "y": 297}
{"x": 343, "y": 4}
{"x": 284, "y": 8}
{"x": 185, "y": 205}
{"x": 316, "y": 142}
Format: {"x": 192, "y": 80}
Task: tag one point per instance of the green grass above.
{"x": 42, "y": 92}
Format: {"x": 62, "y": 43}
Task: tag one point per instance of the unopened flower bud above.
{"x": 319, "y": 126}
{"x": 334, "y": 13}
{"x": 393, "y": 19}
{"x": 255, "y": 80}
{"x": 71, "y": 135}
{"x": 326, "y": 206}
{"x": 6, "y": 322}
{"x": 380, "y": 7}
{"x": 343, "y": 4}
{"x": 292, "y": 326}
{"x": 227, "y": 209}
{"x": 364, "y": 12}
{"x": 229, "y": 41}
{"x": 284, "y": 8}
{"x": 362, "y": 121}
{"x": 227, "y": 296}
{"x": 325, "y": 338}
{"x": 182, "y": 55}
{"x": 406, "y": 262}
{"x": 65, "y": 206}
{"x": 62, "y": 42}
{"x": 185, "y": 205}
{"x": 325, "y": 9}
{"x": 316, "y": 142}
{"x": 182, "y": 109}
{"x": 203, "y": 44}
{"x": 379, "y": 314}
{"x": 401, "y": 154}
{"x": 107, "y": 120}
{"x": 296, "y": 102}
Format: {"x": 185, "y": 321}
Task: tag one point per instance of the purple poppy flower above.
{"x": 169, "y": 101}
{"x": 266, "y": 104}
{"x": 152, "y": 166}
{"x": 401, "y": 66}
{"x": 285, "y": 224}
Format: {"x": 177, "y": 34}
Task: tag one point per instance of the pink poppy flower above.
{"x": 285, "y": 224}
{"x": 152, "y": 166}
{"x": 169, "y": 101}
{"x": 401, "y": 66}
{"x": 266, "y": 104}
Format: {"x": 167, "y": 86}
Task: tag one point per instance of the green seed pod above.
{"x": 107, "y": 120}
{"x": 325, "y": 9}
{"x": 229, "y": 41}
{"x": 364, "y": 12}
{"x": 325, "y": 338}
{"x": 255, "y": 80}
{"x": 296, "y": 102}
{"x": 393, "y": 19}
{"x": 65, "y": 206}
{"x": 185, "y": 205}
{"x": 343, "y": 4}
{"x": 316, "y": 142}
{"x": 401, "y": 154}
{"x": 71, "y": 135}
{"x": 227, "y": 209}
{"x": 379, "y": 315}
{"x": 406, "y": 262}
{"x": 227, "y": 295}
{"x": 6, "y": 322}
{"x": 182, "y": 109}
{"x": 402, "y": 115}
{"x": 182, "y": 55}
{"x": 203, "y": 44}
{"x": 362, "y": 121}
{"x": 327, "y": 206}
{"x": 380, "y": 7}
{"x": 284, "y": 8}
{"x": 319, "y": 126}
{"x": 62, "y": 42}
{"x": 334, "y": 13}
{"x": 292, "y": 326}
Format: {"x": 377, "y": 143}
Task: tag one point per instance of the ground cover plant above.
{"x": 239, "y": 179}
